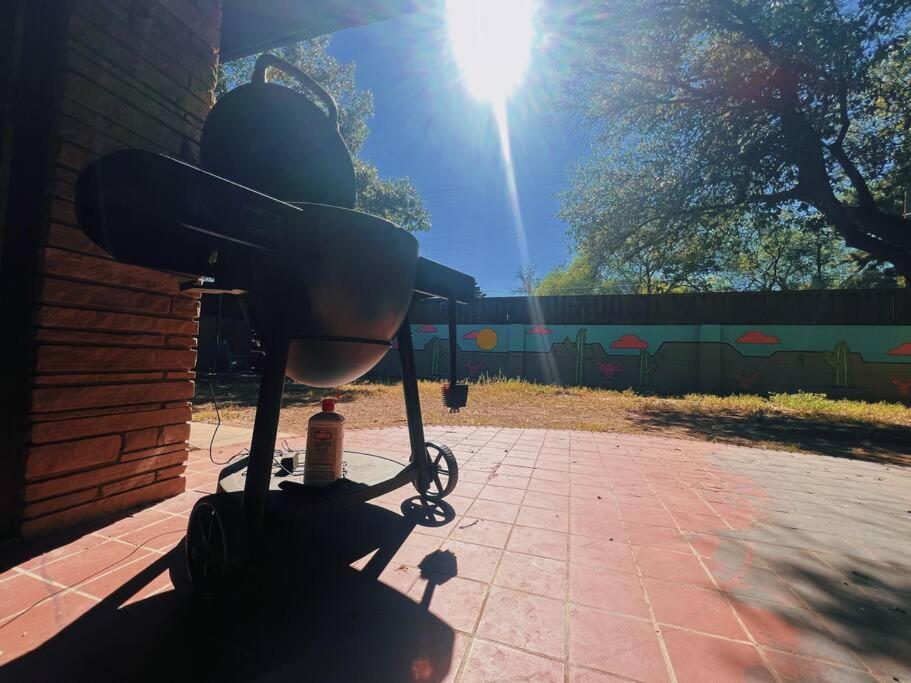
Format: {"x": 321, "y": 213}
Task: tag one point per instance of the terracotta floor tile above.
{"x": 55, "y": 553}
{"x": 792, "y": 630}
{"x": 85, "y": 565}
{"x": 553, "y": 466}
{"x": 459, "y": 504}
{"x": 133, "y": 522}
{"x": 474, "y": 475}
{"x": 531, "y": 622}
{"x": 543, "y": 519}
{"x": 593, "y": 507}
{"x": 597, "y": 527}
{"x": 695, "y": 608}
{"x": 541, "y": 542}
{"x": 459, "y": 651}
{"x": 454, "y": 600}
{"x": 671, "y": 566}
{"x": 579, "y": 675}
{"x": 508, "y": 481}
{"x": 608, "y": 590}
{"x": 399, "y": 577}
{"x": 583, "y": 491}
{"x": 615, "y": 644}
{"x": 645, "y": 515}
{"x": 473, "y": 561}
{"x": 441, "y": 531}
{"x": 533, "y": 574}
{"x": 469, "y": 489}
{"x": 703, "y": 659}
{"x": 514, "y": 471}
{"x": 758, "y": 583}
{"x": 414, "y": 549}
{"x": 109, "y": 582}
{"x": 32, "y": 628}
{"x": 158, "y": 535}
{"x": 21, "y": 592}
{"x": 492, "y": 663}
{"x": 655, "y": 537}
{"x": 547, "y": 501}
{"x": 493, "y": 510}
{"x": 502, "y": 494}
{"x": 481, "y": 531}
{"x": 794, "y": 668}
{"x": 560, "y": 488}
{"x": 599, "y": 552}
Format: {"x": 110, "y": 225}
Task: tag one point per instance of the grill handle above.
{"x": 265, "y": 60}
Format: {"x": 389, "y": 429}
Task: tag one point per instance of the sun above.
{"x": 491, "y": 41}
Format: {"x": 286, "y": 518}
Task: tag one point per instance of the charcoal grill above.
{"x": 327, "y": 288}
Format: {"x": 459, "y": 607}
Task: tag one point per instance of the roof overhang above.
{"x": 253, "y": 26}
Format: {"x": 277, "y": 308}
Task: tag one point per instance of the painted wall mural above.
{"x": 857, "y": 360}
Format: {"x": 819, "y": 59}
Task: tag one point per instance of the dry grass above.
{"x": 806, "y": 422}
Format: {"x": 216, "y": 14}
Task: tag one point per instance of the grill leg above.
{"x": 413, "y": 404}
{"x": 265, "y": 427}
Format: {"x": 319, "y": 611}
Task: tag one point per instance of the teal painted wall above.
{"x": 859, "y": 361}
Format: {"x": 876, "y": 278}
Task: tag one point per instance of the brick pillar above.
{"x": 114, "y": 345}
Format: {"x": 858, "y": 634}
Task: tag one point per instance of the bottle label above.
{"x": 323, "y": 463}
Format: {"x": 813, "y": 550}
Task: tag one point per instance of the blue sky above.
{"x": 427, "y": 127}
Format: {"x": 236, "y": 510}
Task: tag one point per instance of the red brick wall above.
{"x": 114, "y": 345}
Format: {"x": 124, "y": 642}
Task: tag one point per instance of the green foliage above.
{"x": 840, "y": 361}
{"x": 394, "y": 199}
{"x": 713, "y": 115}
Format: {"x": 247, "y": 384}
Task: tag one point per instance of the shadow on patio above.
{"x": 836, "y": 437}
{"x": 305, "y": 614}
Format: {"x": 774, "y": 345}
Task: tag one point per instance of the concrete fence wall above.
{"x": 862, "y": 361}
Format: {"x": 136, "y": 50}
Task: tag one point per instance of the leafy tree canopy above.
{"x": 733, "y": 139}
{"x": 394, "y": 199}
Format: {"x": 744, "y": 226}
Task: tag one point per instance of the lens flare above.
{"x": 491, "y": 41}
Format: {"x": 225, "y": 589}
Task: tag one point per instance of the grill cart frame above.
{"x": 149, "y": 210}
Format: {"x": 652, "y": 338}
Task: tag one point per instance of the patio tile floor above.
{"x": 569, "y": 556}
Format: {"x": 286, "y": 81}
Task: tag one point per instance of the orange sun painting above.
{"x": 486, "y": 339}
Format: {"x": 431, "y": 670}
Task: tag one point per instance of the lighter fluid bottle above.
{"x": 325, "y": 445}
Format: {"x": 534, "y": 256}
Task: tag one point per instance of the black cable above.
{"x": 212, "y": 371}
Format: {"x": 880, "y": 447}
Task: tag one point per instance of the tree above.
{"x": 526, "y": 280}
{"x": 394, "y": 199}
{"x": 707, "y": 113}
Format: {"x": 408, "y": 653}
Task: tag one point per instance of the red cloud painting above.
{"x": 539, "y": 329}
{"x": 629, "y": 341}
{"x": 756, "y": 337}
{"x": 427, "y": 328}
{"x": 901, "y": 350}
{"x": 471, "y": 335}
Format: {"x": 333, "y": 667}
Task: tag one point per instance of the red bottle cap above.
{"x": 328, "y": 405}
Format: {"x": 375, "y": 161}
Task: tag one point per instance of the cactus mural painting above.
{"x": 847, "y": 360}
{"x": 435, "y": 348}
{"x": 577, "y": 349}
{"x": 646, "y": 368}
{"x": 840, "y": 360}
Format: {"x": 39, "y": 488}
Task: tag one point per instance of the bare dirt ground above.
{"x": 793, "y": 422}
